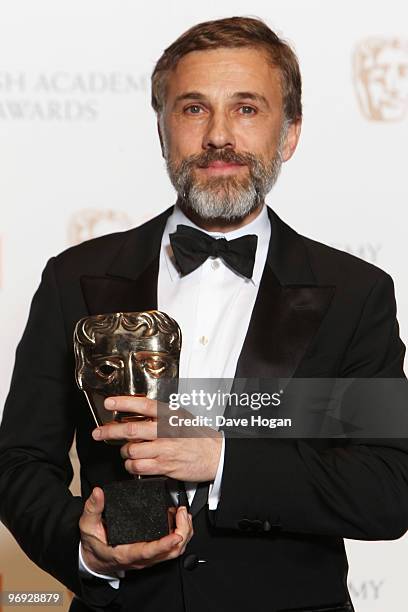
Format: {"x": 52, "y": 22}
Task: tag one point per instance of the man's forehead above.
{"x": 242, "y": 68}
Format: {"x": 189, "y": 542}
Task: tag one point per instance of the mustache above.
{"x": 203, "y": 160}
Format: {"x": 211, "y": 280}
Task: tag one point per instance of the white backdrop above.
{"x": 79, "y": 157}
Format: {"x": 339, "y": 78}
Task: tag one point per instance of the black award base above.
{"x": 137, "y": 510}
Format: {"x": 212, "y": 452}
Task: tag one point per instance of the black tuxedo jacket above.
{"x": 276, "y": 540}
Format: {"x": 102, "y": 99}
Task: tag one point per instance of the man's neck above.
{"x": 220, "y": 225}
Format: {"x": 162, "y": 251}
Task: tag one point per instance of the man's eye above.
{"x": 247, "y": 110}
{"x": 194, "y": 109}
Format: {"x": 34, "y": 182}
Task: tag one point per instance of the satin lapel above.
{"x": 200, "y": 498}
{"x": 130, "y": 282}
{"x": 110, "y": 294}
{"x": 283, "y": 323}
{"x": 288, "y": 311}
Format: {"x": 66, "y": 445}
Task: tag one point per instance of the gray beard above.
{"x": 225, "y": 198}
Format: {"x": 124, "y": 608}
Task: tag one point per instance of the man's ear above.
{"x": 160, "y": 138}
{"x": 292, "y": 139}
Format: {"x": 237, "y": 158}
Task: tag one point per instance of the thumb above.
{"x": 94, "y": 506}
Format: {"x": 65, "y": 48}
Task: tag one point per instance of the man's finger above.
{"x": 167, "y": 547}
{"x": 139, "y": 450}
{"x": 131, "y": 430}
{"x": 142, "y": 554}
{"x": 184, "y": 525}
{"x": 127, "y": 403}
{"x": 144, "y": 467}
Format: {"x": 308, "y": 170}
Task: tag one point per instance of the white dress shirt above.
{"x": 213, "y": 307}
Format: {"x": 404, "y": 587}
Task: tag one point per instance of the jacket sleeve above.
{"x": 356, "y": 489}
{"x": 36, "y": 434}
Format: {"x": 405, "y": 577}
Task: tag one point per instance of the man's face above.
{"x": 222, "y": 130}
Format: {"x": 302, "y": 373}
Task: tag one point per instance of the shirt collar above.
{"x": 260, "y": 226}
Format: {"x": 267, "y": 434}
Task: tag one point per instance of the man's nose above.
{"x": 219, "y": 133}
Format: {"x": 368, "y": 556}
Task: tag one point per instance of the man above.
{"x": 270, "y": 535}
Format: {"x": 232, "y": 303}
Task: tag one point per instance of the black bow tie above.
{"x": 191, "y": 248}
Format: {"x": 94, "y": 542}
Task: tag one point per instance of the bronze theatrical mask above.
{"x": 132, "y": 353}
{"x": 129, "y": 353}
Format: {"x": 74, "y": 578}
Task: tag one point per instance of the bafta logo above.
{"x": 381, "y": 78}
{"x": 91, "y": 223}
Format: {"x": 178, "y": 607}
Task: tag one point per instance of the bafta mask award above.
{"x": 129, "y": 353}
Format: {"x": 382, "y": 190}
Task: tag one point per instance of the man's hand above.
{"x": 182, "y": 458}
{"x": 105, "y": 559}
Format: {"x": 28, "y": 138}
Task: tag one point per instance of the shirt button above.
{"x": 203, "y": 340}
{"x": 215, "y": 264}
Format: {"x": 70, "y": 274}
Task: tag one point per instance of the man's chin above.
{"x": 220, "y": 210}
